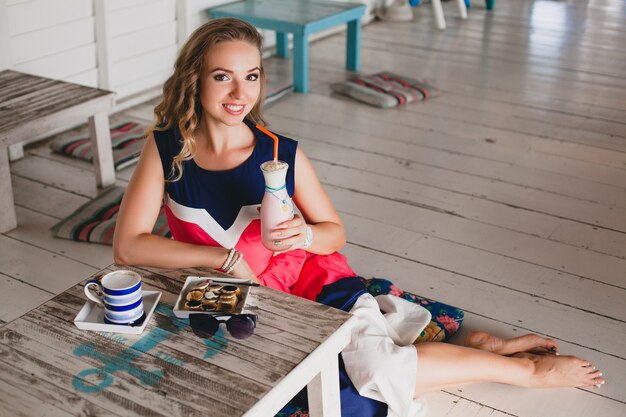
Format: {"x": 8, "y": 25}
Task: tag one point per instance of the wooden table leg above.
{"x": 301, "y": 63}
{"x": 8, "y": 220}
{"x": 353, "y": 46}
{"x": 323, "y": 391}
{"x": 101, "y": 147}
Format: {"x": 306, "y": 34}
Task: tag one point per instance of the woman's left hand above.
{"x": 291, "y": 233}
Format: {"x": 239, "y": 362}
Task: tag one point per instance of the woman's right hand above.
{"x": 243, "y": 270}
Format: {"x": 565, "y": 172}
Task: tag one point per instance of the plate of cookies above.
{"x": 217, "y": 296}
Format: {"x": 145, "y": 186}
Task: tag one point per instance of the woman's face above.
{"x": 230, "y": 83}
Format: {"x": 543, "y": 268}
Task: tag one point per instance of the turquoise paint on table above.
{"x": 123, "y": 362}
{"x": 301, "y": 18}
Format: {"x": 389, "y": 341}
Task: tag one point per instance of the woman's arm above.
{"x": 134, "y": 243}
{"x": 317, "y": 211}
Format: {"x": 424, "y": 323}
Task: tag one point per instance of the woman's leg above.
{"x": 441, "y": 366}
{"x": 530, "y": 343}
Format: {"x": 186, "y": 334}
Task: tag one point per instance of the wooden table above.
{"x": 32, "y": 105}
{"x": 300, "y": 18}
{"x": 47, "y": 365}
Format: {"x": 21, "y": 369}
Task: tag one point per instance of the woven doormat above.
{"x": 127, "y": 140}
{"x": 386, "y": 89}
{"x": 95, "y": 220}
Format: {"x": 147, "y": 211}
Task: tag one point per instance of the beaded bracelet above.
{"x": 239, "y": 258}
{"x": 229, "y": 259}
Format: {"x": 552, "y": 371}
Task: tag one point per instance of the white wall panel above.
{"x": 142, "y": 65}
{"x": 147, "y": 40}
{"x": 51, "y": 40}
{"x": 63, "y": 64}
{"x": 5, "y": 39}
{"x": 88, "y": 78}
{"x": 124, "y": 45}
{"x": 145, "y": 15}
{"x": 38, "y": 14}
{"x": 149, "y": 82}
{"x": 125, "y": 4}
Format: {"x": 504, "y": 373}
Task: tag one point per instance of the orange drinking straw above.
{"x": 273, "y": 136}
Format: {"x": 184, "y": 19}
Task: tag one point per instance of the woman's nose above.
{"x": 237, "y": 90}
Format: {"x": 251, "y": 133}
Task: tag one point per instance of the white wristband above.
{"x": 309, "y": 237}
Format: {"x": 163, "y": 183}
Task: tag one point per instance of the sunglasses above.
{"x": 240, "y": 326}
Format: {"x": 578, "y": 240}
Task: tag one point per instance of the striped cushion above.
{"x": 385, "y": 89}
{"x": 127, "y": 140}
{"x": 95, "y": 221}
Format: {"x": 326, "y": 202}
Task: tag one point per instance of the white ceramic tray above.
{"x": 91, "y": 316}
{"x": 192, "y": 281}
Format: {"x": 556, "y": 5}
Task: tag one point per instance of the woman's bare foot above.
{"x": 531, "y": 343}
{"x": 562, "y": 371}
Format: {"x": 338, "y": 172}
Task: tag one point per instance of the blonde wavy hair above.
{"x": 181, "y": 92}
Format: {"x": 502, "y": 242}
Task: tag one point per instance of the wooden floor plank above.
{"x": 52, "y": 273}
{"x": 488, "y": 238}
{"x": 475, "y": 209}
{"x": 501, "y": 271}
{"x": 31, "y": 226}
{"x": 526, "y": 402}
{"x": 418, "y": 138}
{"x": 508, "y": 305}
{"x": 44, "y": 198}
{"x": 18, "y": 297}
{"x": 330, "y": 131}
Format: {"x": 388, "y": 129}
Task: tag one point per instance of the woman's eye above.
{"x": 253, "y": 77}
{"x": 221, "y": 77}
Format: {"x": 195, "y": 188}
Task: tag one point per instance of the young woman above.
{"x": 201, "y": 160}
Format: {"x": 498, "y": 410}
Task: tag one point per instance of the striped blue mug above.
{"x": 120, "y": 294}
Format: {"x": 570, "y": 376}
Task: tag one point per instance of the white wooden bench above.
{"x": 31, "y": 106}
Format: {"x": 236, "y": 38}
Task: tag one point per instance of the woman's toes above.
{"x": 552, "y": 346}
{"x": 598, "y": 381}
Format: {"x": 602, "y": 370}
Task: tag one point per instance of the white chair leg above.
{"x": 440, "y": 20}
{"x": 462, "y": 8}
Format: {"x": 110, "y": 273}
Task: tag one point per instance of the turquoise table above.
{"x": 300, "y": 18}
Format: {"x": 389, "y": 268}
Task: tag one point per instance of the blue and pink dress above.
{"x": 219, "y": 208}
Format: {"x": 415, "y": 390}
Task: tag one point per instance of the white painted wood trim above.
{"x": 182, "y": 20}
{"x": 102, "y": 13}
{"x": 323, "y": 390}
{"x": 440, "y": 20}
{"x": 101, "y": 147}
{"x": 5, "y": 51}
{"x": 8, "y": 221}
{"x": 306, "y": 370}
{"x": 462, "y": 8}
{"x": 16, "y": 151}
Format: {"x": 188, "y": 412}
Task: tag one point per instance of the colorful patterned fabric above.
{"x": 446, "y": 319}
{"x": 95, "y": 221}
{"x": 127, "y": 140}
{"x": 385, "y": 89}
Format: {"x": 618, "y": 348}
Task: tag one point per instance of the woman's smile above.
{"x": 234, "y": 109}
